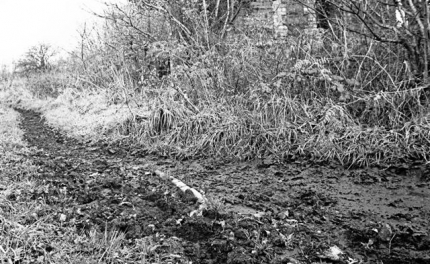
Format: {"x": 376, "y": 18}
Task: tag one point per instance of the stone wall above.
{"x": 283, "y": 16}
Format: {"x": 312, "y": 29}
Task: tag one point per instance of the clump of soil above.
{"x": 296, "y": 212}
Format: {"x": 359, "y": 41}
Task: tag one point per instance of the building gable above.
{"x": 282, "y": 16}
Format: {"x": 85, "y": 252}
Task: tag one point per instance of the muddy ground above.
{"x": 259, "y": 212}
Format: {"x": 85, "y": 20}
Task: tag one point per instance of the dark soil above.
{"x": 260, "y": 212}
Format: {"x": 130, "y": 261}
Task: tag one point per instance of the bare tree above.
{"x": 36, "y": 59}
{"x": 401, "y": 22}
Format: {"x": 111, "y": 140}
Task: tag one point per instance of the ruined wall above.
{"x": 283, "y": 16}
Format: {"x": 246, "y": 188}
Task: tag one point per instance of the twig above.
{"x": 201, "y": 199}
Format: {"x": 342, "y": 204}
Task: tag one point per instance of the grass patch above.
{"x": 87, "y": 114}
{"x": 282, "y": 127}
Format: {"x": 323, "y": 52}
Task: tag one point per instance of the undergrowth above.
{"x": 344, "y": 99}
{"x": 239, "y": 105}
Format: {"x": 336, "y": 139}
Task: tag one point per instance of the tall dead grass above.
{"x": 352, "y": 100}
{"x": 286, "y": 100}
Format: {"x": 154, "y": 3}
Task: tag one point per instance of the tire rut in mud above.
{"x": 300, "y": 211}
{"x": 98, "y": 186}
{"x": 110, "y": 187}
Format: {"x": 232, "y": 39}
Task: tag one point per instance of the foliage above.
{"x": 328, "y": 95}
{"x": 46, "y": 84}
{"x": 403, "y": 24}
{"x": 37, "y": 59}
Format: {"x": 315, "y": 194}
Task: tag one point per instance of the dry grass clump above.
{"x": 284, "y": 128}
{"x": 85, "y": 114}
{"x": 10, "y": 134}
{"x": 49, "y": 84}
{"x": 239, "y": 105}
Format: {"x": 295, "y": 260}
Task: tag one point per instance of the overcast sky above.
{"x": 25, "y": 23}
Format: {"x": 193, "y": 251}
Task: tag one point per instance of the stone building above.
{"x": 283, "y": 16}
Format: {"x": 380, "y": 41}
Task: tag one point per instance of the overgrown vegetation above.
{"x": 197, "y": 85}
{"x": 180, "y": 78}
{"x": 36, "y": 60}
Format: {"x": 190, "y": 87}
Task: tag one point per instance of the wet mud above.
{"x": 258, "y": 212}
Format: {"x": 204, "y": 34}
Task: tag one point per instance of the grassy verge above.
{"x": 279, "y": 126}
{"x": 85, "y": 114}
{"x": 282, "y": 127}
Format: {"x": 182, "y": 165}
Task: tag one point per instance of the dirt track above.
{"x": 266, "y": 213}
